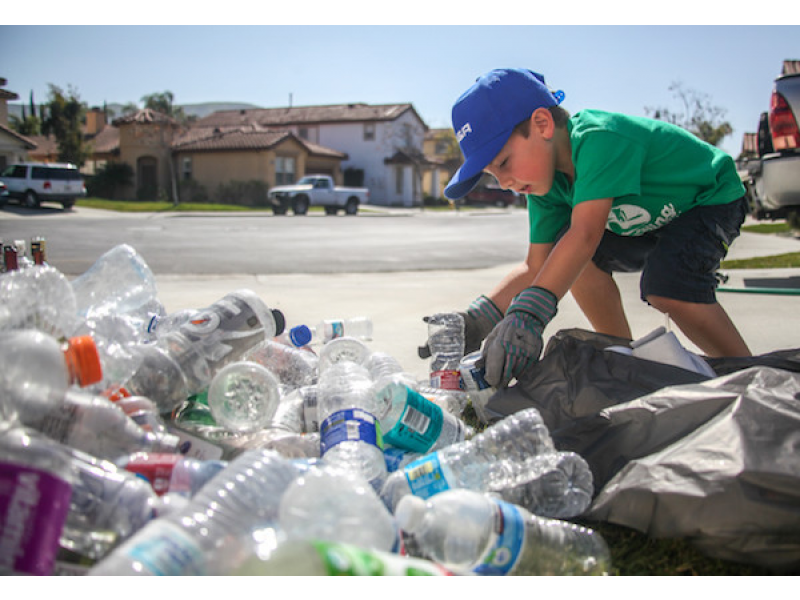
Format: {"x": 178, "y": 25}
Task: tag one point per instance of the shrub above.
{"x": 251, "y": 193}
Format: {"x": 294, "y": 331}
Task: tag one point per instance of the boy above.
{"x": 606, "y": 192}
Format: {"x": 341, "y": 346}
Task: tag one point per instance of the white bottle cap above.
{"x": 409, "y": 513}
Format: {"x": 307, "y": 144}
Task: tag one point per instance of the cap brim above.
{"x": 469, "y": 174}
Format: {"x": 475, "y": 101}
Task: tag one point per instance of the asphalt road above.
{"x": 374, "y": 241}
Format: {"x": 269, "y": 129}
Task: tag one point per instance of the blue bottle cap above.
{"x": 300, "y": 335}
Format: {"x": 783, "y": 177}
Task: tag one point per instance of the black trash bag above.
{"x": 716, "y": 463}
{"x": 575, "y": 380}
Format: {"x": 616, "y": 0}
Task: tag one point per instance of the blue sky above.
{"x": 622, "y": 68}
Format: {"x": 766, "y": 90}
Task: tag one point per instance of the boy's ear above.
{"x": 542, "y": 121}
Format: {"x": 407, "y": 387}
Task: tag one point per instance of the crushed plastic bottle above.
{"x": 446, "y": 343}
{"x": 343, "y": 349}
{"x": 243, "y": 396}
{"x": 468, "y": 530}
{"x": 292, "y": 366}
{"x": 330, "y": 329}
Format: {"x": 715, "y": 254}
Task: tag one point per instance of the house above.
{"x": 13, "y": 146}
{"x": 444, "y": 155}
{"x": 383, "y": 143}
{"x": 214, "y": 157}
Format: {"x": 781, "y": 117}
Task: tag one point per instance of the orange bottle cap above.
{"x": 84, "y": 361}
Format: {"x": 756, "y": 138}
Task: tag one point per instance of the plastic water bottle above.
{"x": 293, "y": 367}
{"x": 385, "y": 368}
{"x": 37, "y": 370}
{"x": 453, "y": 401}
{"x": 35, "y": 488}
{"x": 415, "y": 423}
{"x": 183, "y": 362}
{"x": 397, "y": 458}
{"x": 349, "y": 413}
{"x": 468, "y": 530}
{"x": 330, "y": 329}
{"x": 120, "y": 281}
{"x": 343, "y": 349}
{"x": 160, "y": 325}
{"x": 95, "y": 425}
{"x": 40, "y": 297}
{"x": 141, "y": 411}
{"x": 505, "y": 459}
{"x": 217, "y": 530}
{"x": 171, "y": 473}
{"x": 476, "y": 386}
{"x": 446, "y": 343}
{"x": 330, "y": 503}
{"x": 326, "y": 558}
{"x": 243, "y": 396}
{"x": 299, "y": 336}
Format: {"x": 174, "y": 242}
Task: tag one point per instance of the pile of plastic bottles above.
{"x": 225, "y": 441}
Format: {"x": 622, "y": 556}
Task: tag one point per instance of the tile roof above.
{"x": 248, "y": 137}
{"x": 296, "y": 115}
{"x": 28, "y": 141}
{"x": 145, "y": 115}
{"x": 106, "y": 140}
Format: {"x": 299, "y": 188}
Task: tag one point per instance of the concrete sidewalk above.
{"x": 396, "y": 302}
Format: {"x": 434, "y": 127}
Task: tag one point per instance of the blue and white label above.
{"x": 509, "y": 529}
{"x": 427, "y": 476}
{"x": 168, "y": 551}
{"x": 351, "y": 425}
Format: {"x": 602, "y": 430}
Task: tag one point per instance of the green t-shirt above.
{"x": 653, "y": 170}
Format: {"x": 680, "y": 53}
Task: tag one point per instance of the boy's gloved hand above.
{"x": 514, "y": 345}
{"x": 479, "y": 320}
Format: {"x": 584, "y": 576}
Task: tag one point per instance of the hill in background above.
{"x": 196, "y": 110}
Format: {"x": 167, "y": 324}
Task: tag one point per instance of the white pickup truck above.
{"x": 316, "y": 190}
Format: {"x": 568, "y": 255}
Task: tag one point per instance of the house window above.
{"x": 398, "y": 179}
{"x": 369, "y": 132}
{"x": 303, "y": 133}
{"x": 186, "y": 168}
{"x": 284, "y": 170}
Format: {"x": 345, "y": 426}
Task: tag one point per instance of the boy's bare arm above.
{"x": 575, "y": 249}
{"x": 521, "y": 276}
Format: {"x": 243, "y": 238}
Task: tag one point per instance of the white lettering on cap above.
{"x": 462, "y": 133}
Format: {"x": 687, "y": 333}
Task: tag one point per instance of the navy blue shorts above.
{"x": 679, "y": 260}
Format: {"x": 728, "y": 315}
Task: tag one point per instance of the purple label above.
{"x": 33, "y": 508}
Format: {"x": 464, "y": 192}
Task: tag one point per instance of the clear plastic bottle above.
{"x": 183, "y": 362}
{"x": 446, "y": 343}
{"x": 243, "y": 396}
{"x": 467, "y": 530}
{"x": 217, "y": 530}
{"x": 397, "y": 458}
{"x": 385, "y": 368}
{"x": 38, "y": 370}
{"x": 348, "y": 349}
{"x": 453, "y": 401}
{"x": 293, "y": 367}
{"x": 299, "y": 336}
{"x": 478, "y": 389}
{"x": 325, "y": 558}
{"x": 95, "y": 425}
{"x": 36, "y": 480}
{"x": 415, "y": 423}
{"x": 506, "y": 458}
{"x": 40, "y": 297}
{"x": 330, "y": 329}
{"x": 120, "y": 281}
{"x": 331, "y": 503}
{"x": 172, "y": 473}
{"x": 349, "y": 411}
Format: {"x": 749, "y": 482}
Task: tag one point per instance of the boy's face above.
{"x": 527, "y": 164}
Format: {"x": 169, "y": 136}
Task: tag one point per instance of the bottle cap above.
{"x": 409, "y": 513}
{"x": 83, "y": 360}
{"x": 280, "y": 321}
{"x": 300, "y": 335}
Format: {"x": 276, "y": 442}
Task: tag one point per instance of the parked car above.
{"x": 34, "y": 183}
{"x": 489, "y": 192}
{"x": 3, "y": 194}
{"x": 773, "y": 178}
{"x": 316, "y": 190}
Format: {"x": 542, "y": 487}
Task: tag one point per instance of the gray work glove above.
{"x": 515, "y": 344}
{"x": 479, "y": 320}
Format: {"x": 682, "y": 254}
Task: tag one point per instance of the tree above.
{"x": 65, "y": 115}
{"x": 163, "y": 103}
{"x": 27, "y": 125}
{"x": 699, "y": 116}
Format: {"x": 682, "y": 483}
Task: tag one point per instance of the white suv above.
{"x": 32, "y": 183}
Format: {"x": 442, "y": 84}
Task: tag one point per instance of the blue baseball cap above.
{"x": 486, "y": 114}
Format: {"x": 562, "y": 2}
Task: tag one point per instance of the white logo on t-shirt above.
{"x": 628, "y": 216}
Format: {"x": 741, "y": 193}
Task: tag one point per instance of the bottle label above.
{"x": 446, "y": 380}
{"x": 474, "y": 379}
{"x": 33, "y": 507}
{"x": 344, "y": 559}
{"x": 337, "y": 329}
{"x": 395, "y": 458}
{"x": 420, "y": 425}
{"x": 167, "y": 550}
{"x": 427, "y": 476}
{"x": 509, "y": 531}
{"x": 351, "y": 425}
